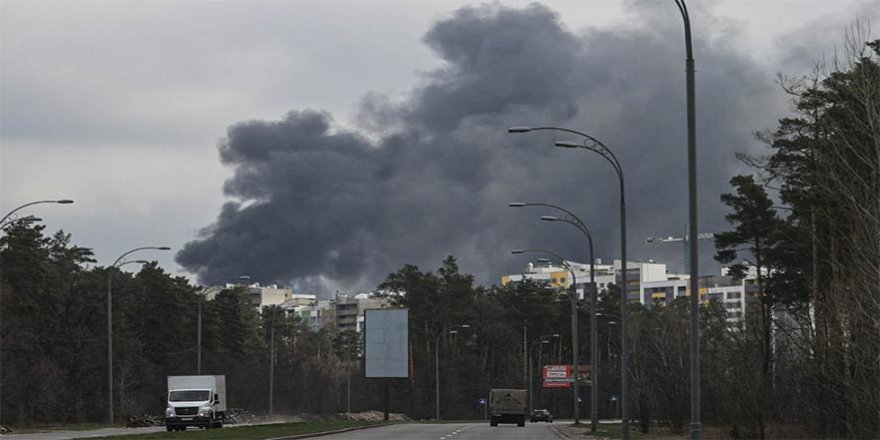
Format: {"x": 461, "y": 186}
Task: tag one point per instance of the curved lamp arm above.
{"x": 158, "y": 248}
{"x": 574, "y": 220}
{"x": 61, "y": 202}
{"x": 575, "y": 223}
{"x": 590, "y": 143}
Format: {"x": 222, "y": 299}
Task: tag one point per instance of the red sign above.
{"x": 585, "y": 374}
{"x": 557, "y": 376}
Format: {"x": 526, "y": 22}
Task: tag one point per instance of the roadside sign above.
{"x": 386, "y": 336}
{"x": 614, "y": 397}
{"x": 557, "y": 376}
{"x": 482, "y": 401}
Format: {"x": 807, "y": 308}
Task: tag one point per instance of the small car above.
{"x": 542, "y": 415}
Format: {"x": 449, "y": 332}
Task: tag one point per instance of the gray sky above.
{"x": 122, "y": 105}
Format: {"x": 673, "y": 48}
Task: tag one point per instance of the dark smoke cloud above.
{"x": 321, "y": 206}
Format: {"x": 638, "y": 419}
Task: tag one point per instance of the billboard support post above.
{"x": 387, "y": 396}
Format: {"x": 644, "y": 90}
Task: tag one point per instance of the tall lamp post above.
{"x": 117, "y": 264}
{"x": 202, "y": 295}
{"x": 540, "y": 341}
{"x": 451, "y": 330}
{"x": 592, "y": 144}
{"x": 610, "y": 323}
{"x": 272, "y": 364}
{"x": 575, "y": 221}
{"x": 696, "y": 425}
{"x": 2, "y": 224}
{"x": 574, "y": 331}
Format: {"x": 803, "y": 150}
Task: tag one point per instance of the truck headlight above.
{"x": 169, "y": 412}
{"x": 204, "y": 410}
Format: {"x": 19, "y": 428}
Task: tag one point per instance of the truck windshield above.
{"x": 189, "y": 396}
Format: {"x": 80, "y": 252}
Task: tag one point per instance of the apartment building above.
{"x": 317, "y": 315}
{"x": 555, "y": 275}
{"x": 271, "y": 295}
{"x": 350, "y": 309}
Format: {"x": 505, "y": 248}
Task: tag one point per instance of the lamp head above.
{"x": 516, "y": 204}
{"x": 465, "y": 326}
{"x": 163, "y": 248}
{"x": 566, "y": 144}
{"x": 64, "y": 201}
{"x": 452, "y": 332}
{"x": 650, "y": 240}
{"x": 519, "y": 130}
{"x": 543, "y": 260}
{"x": 549, "y": 218}
{"x": 517, "y": 251}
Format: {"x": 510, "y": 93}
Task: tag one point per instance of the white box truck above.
{"x": 195, "y": 401}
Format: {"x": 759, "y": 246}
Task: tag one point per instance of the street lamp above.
{"x": 608, "y": 346}
{"x": 542, "y": 341}
{"x": 574, "y": 331}
{"x": 575, "y": 221}
{"x": 696, "y": 425}
{"x": 451, "y": 330}
{"x": 594, "y": 145}
{"x": 272, "y": 363}
{"x": 9, "y": 214}
{"x": 117, "y": 264}
{"x": 204, "y": 293}
{"x": 2, "y": 223}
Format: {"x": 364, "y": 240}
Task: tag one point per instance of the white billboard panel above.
{"x": 386, "y": 336}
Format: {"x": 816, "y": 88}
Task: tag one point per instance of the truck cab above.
{"x": 195, "y": 401}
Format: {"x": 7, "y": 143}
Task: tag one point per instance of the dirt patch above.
{"x": 373, "y": 416}
{"x": 583, "y": 432}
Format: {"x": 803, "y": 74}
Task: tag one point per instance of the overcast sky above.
{"x": 324, "y": 143}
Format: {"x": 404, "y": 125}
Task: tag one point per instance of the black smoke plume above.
{"x": 320, "y": 206}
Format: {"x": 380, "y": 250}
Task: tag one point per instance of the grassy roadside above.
{"x": 615, "y": 430}
{"x": 48, "y": 428}
{"x": 252, "y": 432}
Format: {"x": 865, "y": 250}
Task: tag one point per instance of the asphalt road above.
{"x": 68, "y": 435}
{"x": 409, "y": 431}
{"x": 451, "y": 431}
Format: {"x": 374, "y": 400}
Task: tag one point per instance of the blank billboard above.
{"x": 386, "y": 336}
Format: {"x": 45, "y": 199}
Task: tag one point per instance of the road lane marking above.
{"x": 445, "y": 437}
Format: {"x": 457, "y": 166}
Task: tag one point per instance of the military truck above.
{"x": 507, "y": 406}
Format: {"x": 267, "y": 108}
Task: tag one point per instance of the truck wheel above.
{"x": 169, "y": 428}
{"x": 493, "y": 423}
{"x": 521, "y": 423}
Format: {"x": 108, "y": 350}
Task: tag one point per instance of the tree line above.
{"x": 804, "y": 361}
